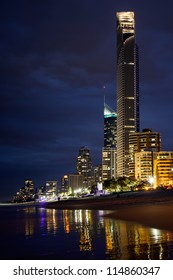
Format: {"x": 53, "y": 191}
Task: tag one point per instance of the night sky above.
{"x": 58, "y": 60}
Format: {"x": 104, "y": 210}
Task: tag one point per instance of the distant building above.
{"x": 84, "y": 166}
{"x": 142, "y": 141}
{"x": 29, "y": 187}
{"x": 26, "y": 193}
{"x": 51, "y": 189}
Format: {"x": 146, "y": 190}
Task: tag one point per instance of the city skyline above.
{"x": 56, "y": 68}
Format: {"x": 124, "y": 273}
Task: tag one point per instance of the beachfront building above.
{"x": 127, "y": 88}
{"x": 164, "y": 169}
{"x": 155, "y": 168}
{"x": 147, "y": 140}
{"x": 144, "y": 167}
{"x": 75, "y": 183}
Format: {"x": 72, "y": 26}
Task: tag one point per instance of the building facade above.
{"x": 140, "y": 142}
{"x": 127, "y": 88}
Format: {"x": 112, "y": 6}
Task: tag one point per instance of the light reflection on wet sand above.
{"x": 123, "y": 240}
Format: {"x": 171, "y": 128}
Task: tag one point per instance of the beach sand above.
{"x": 153, "y": 209}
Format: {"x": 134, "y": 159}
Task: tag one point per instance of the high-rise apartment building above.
{"x": 147, "y": 140}
{"x": 127, "y": 88}
{"x": 84, "y": 165}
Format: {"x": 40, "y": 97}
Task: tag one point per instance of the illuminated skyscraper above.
{"x": 127, "y": 88}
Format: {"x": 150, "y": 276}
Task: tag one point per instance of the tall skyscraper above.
{"x": 127, "y": 88}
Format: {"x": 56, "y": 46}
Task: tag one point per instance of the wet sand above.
{"x": 158, "y": 216}
{"x": 153, "y": 209}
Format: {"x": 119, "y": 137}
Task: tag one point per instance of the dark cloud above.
{"x": 56, "y": 56}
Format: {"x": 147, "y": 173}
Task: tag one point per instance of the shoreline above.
{"x": 150, "y": 208}
{"x": 113, "y": 202}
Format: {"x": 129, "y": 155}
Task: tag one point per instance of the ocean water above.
{"x": 30, "y": 233}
